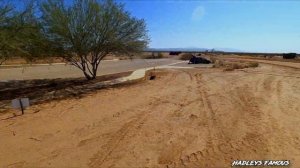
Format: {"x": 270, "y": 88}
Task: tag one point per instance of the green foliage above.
{"x": 82, "y": 33}
{"x": 20, "y": 33}
{"x": 6, "y": 45}
{"x": 85, "y": 32}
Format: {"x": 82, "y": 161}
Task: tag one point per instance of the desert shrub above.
{"x": 235, "y": 65}
{"x": 174, "y": 53}
{"x": 186, "y": 56}
{"x": 154, "y": 56}
{"x": 218, "y": 63}
{"x": 160, "y": 55}
{"x": 289, "y": 56}
{"x": 240, "y": 65}
{"x": 253, "y": 64}
{"x": 230, "y": 66}
{"x": 148, "y": 56}
{"x": 228, "y": 69}
{"x": 212, "y": 59}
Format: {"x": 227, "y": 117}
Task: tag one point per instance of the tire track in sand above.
{"x": 196, "y": 159}
{"x": 133, "y": 127}
{"x": 219, "y": 143}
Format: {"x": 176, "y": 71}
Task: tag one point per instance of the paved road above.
{"x": 69, "y": 71}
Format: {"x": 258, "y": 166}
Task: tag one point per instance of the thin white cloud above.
{"x": 198, "y": 13}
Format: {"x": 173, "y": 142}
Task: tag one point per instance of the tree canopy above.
{"x": 6, "y": 42}
{"x": 20, "y": 33}
{"x": 85, "y": 32}
{"x": 82, "y": 33}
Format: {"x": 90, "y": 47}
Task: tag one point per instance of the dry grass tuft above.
{"x": 253, "y": 64}
{"x": 186, "y": 56}
{"x": 235, "y": 65}
{"x": 153, "y": 56}
{"x": 218, "y": 63}
{"x": 213, "y": 59}
{"x": 230, "y": 66}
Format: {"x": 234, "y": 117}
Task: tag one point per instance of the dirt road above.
{"x": 184, "y": 118}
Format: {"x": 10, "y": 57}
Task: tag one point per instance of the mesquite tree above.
{"x": 6, "y": 35}
{"x": 88, "y": 30}
{"x": 20, "y": 33}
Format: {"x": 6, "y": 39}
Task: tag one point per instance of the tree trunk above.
{"x": 89, "y": 69}
{"x": 2, "y": 61}
{"x": 89, "y": 76}
{"x": 95, "y": 67}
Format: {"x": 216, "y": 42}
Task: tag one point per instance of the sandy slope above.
{"x": 184, "y": 118}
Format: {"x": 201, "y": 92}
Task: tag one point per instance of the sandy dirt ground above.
{"x": 286, "y": 63}
{"x": 46, "y": 90}
{"x": 184, "y": 118}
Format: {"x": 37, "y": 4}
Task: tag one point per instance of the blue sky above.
{"x": 252, "y": 26}
{"x": 256, "y": 26}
